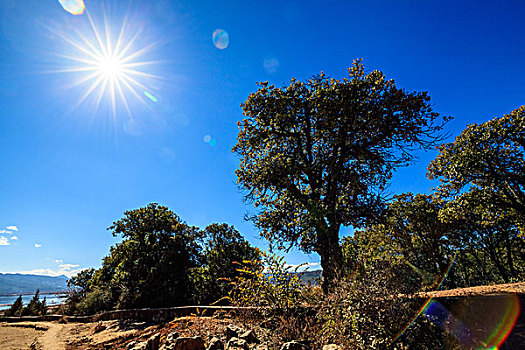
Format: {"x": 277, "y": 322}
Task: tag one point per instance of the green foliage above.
{"x": 482, "y": 175}
{"x": 485, "y": 165}
{"x": 35, "y": 306}
{"x": 160, "y": 262}
{"x": 317, "y": 155}
{"x": 16, "y": 308}
{"x": 410, "y": 233}
{"x": 149, "y": 268}
{"x": 267, "y": 281}
{"x": 224, "y": 246}
{"x": 370, "y": 310}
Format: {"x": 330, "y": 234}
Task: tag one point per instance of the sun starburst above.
{"x": 109, "y": 67}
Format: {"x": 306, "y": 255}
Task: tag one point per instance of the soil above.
{"x": 100, "y": 335}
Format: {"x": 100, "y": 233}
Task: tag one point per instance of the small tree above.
{"x": 35, "y": 306}
{"x": 16, "y": 308}
{"x": 266, "y": 281}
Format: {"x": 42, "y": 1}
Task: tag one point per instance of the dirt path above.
{"x": 37, "y": 335}
{"x": 18, "y": 338}
{"x": 53, "y": 338}
{"x": 58, "y": 336}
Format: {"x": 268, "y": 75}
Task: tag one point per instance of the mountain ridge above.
{"x": 18, "y": 283}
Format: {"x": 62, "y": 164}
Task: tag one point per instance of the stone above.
{"x": 233, "y": 331}
{"x": 99, "y": 327}
{"x": 237, "y": 344}
{"x": 249, "y": 336}
{"x": 184, "y": 343}
{"x": 261, "y": 347}
{"x": 152, "y": 343}
{"x": 331, "y": 347}
{"x": 215, "y": 344}
{"x": 294, "y": 345}
{"x": 172, "y": 336}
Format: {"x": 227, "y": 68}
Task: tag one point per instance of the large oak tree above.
{"x": 317, "y": 155}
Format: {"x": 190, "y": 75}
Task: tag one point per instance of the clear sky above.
{"x": 73, "y": 158}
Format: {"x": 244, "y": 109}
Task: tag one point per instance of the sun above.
{"x": 110, "y": 63}
{"x": 111, "y": 67}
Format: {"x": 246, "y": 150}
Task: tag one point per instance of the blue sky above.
{"x": 72, "y": 166}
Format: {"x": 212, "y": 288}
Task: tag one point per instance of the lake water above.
{"x": 51, "y": 299}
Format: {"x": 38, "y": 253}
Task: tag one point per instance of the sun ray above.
{"x": 138, "y": 73}
{"x": 138, "y": 53}
{"x": 110, "y": 61}
{"x": 97, "y": 35}
{"x": 123, "y": 97}
{"x": 88, "y": 93}
{"x": 83, "y": 80}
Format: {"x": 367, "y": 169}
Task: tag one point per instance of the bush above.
{"x": 267, "y": 282}
{"x": 370, "y": 311}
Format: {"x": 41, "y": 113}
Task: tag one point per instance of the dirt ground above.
{"x": 99, "y": 335}
{"x": 53, "y": 335}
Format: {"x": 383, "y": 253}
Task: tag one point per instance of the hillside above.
{"x": 18, "y": 283}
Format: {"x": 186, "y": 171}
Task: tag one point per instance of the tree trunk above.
{"x": 331, "y": 258}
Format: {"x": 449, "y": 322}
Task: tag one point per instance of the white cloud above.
{"x": 12, "y": 228}
{"x": 59, "y": 261}
{"x": 3, "y": 240}
{"x": 50, "y": 272}
{"x": 37, "y": 245}
{"x": 14, "y": 237}
{"x": 6, "y": 231}
{"x": 67, "y": 267}
{"x": 68, "y": 270}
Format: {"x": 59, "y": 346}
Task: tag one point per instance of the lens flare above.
{"x": 480, "y": 322}
{"x": 221, "y": 39}
{"x": 427, "y": 303}
{"x": 209, "y": 140}
{"x": 75, "y": 7}
{"x": 270, "y": 64}
{"x": 150, "y": 96}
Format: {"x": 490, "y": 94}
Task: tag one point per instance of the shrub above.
{"x": 267, "y": 282}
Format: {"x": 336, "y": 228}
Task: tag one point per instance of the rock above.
{"x": 261, "y": 347}
{"x": 249, "y": 336}
{"x": 331, "y": 347}
{"x": 171, "y": 337}
{"x": 154, "y": 342}
{"x": 150, "y": 344}
{"x": 237, "y": 344}
{"x": 233, "y": 331}
{"x": 99, "y": 327}
{"x": 215, "y": 344}
{"x": 184, "y": 343}
{"x": 294, "y": 345}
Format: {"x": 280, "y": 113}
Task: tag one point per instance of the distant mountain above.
{"x": 311, "y": 277}
{"x": 15, "y": 283}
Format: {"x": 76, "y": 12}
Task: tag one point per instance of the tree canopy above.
{"x": 161, "y": 261}
{"x": 486, "y": 165}
{"x": 317, "y": 155}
